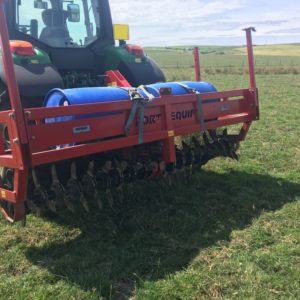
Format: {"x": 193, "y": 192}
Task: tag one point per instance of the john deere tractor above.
{"x": 70, "y": 44}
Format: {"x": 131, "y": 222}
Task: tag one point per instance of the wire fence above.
{"x": 178, "y": 59}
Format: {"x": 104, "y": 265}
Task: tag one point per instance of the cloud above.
{"x": 175, "y": 22}
{"x": 284, "y": 31}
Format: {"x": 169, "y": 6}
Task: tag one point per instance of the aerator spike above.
{"x": 213, "y": 134}
{"x": 73, "y": 170}
{"x": 41, "y": 195}
{"x": 54, "y": 173}
{"x": 105, "y": 173}
{"x": 206, "y": 139}
{"x": 74, "y": 190}
{"x": 195, "y": 142}
{"x": 88, "y": 182}
{"x": 185, "y": 146}
{"x": 229, "y": 149}
{"x": 56, "y": 186}
{"x": 84, "y": 203}
{"x": 91, "y": 167}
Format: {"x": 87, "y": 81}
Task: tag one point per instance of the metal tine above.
{"x": 32, "y": 206}
{"x": 211, "y": 149}
{"x": 205, "y": 138}
{"x": 154, "y": 169}
{"x": 225, "y": 132}
{"x": 216, "y": 143}
{"x": 129, "y": 185}
{"x": 128, "y": 176}
{"x": 180, "y": 163}
{"x": 170, "y": 170}
{"x": 169, "y": 178}
{"x": 233, "y": 153}
{"x": 74, "y": 181}
{"x": 90, "y": 186}
{"x": 189, "y": 155}
{"x": 213, "y": 134}
{"x": 120, "y": 167}
{"x": 96, "y": 196}
{"x": 82, "y": 198}
{"x": 56, "y": 186}
{"x": 162, "y": 168}
{"x": 230, "y": 152}
{"x": 107, "y": 168}
{"x": 198, "y": 151}
{"x": 91, "y": 167}
{"x": 41, "y": 192}
{"x": 102, "y": 182}
{"x": 54, "y": 174}
{"x": 35, "y": 179}
{"x": 219, "y": 148}
{"x": 195, "y": 142}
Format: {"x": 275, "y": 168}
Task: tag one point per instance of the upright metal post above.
{"x": 250, "y": 57}
{"x": 252, "y": 80}
{"x": 197, "y": 64}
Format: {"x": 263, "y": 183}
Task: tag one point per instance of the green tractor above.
{"x": 69, "y": 44}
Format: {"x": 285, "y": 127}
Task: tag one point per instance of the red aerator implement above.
{"x": 88, "y": 141}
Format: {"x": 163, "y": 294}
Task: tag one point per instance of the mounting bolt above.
{"x": 12, "y": 115}
{"x": 16, "y": 141}
{"x": 27, "y": 114}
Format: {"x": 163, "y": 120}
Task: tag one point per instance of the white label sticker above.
{"x": 82, "y": 129}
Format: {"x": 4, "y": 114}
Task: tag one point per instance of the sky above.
{"x": 208, "y": 22}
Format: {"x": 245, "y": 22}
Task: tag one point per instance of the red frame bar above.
{"x": 250, "y": 57}
{"x": 32, "y": 140}
{"x": 42, "y": 137}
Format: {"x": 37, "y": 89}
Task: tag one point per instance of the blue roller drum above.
{"x": 58, "y": 97}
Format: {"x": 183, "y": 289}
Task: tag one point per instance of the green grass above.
{"x": 273, "y": 59}
{"x": 274, "y": 50}
{"x": 230, "y": 232}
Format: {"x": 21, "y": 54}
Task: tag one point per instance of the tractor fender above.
{"x": 144, "y": 72}
{"x": 34, "y": 81}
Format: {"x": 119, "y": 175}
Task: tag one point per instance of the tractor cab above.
{"x": 59, "y": 23}
{"x": 68, "y": 44}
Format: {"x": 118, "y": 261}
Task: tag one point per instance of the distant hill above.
{"x": 273, "y": 50}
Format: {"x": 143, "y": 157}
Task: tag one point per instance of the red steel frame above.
{"x": 33, "y": 141}
{"x": 197, "y": 64}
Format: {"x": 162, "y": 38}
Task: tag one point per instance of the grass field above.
{"x": 283, "y": 59}
{"x": 230, "y": 232}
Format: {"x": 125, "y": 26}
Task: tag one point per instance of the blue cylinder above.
{"x": 181, "y": 88}
{"x": 58, "y": 97}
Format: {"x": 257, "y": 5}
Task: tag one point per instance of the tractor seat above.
{"x": 55, "y": 33}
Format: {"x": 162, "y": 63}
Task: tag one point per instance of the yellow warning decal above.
{"x": 34, "y": 61}
{"x": 3, "y": 194}
{"x": 138, "y": 60}
{"x": 171, "y": 133}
